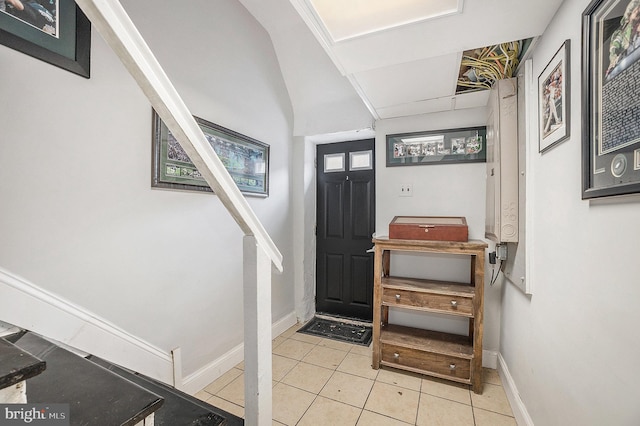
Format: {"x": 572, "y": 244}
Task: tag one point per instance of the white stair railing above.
{"x": 117, "y": 29}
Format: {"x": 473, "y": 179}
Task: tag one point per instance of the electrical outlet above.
{"x": 501, "y": 251}
{"x": 406, "y": 190}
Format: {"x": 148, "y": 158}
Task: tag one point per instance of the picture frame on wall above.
{"x": 554, "y": 96}
{"x": 54, "y": 31}
{"x": 611, "y": 98}
{"x": 246, "y": 159}
{"x": 464, "y": 145}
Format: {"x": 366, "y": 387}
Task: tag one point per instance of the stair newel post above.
{"x": 257, "y": 334}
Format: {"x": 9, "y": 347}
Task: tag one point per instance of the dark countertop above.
{"x": 17, "y": 365}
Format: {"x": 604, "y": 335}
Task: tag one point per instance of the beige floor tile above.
{"x": 274, "y": 423}
{"x": 294, "y": 349}
{"x": 393, "y": 401}
{"x": 234, "y": 391}
{"x": 440, "y": 412}
{"x": 336, "y": 344}
{"x": 368, "y": 418}
{"x": 277, "y": 341}
{"x": 291, "y": 330}
{"x": 352, "y": 390}
{"x": 489, "y": 418}
{"x": 361, "y": 350}
{"x": 314, "y": 340}
{"x": 308, "y": 377}
{"x": 325, "y": 411}
{"x": 202, "y": 395}
{"x": 404, "y": 379}
{"x": 325, "y": 357}
{"x": 358, "y": 365}
{"x": 280, "y": 366}
{"x": 490, "y": 375}
{"x": 222, "y": 381}
{"x": 289, "y": 403}
{"x": 230, "y": 407}
{"x": 446, "y": 389}
{"x": 493, "y": 399}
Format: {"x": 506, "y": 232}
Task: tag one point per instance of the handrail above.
{"x": 115, "y": 26}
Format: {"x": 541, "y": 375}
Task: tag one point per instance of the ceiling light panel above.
{"x": 346, "y": 19}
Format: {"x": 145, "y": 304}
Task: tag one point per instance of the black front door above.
{"x": 345, "y": 224}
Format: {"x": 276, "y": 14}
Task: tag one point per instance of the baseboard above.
{"x": 283, "y": 324}
{"x": 490, "y": 359}
{"x": 30, "y": 307}
{"x": 517, "y": 406}
{"x": 196, "y": 381}
{"x": 210, "y": 372}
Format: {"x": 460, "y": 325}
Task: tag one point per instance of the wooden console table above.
{"x": 444, "y": 355}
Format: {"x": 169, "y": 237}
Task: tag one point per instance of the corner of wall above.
{"x": 517, "y": 405}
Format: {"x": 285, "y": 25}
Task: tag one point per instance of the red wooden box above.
{"x": 436, "y": 228}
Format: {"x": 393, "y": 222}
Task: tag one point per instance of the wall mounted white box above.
{"x": 502, "y": 163}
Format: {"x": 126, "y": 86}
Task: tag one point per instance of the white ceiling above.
{"x": 343, "y": 20}
{"x": 398, "y": 66}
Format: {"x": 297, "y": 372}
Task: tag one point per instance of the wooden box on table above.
{"x": 434, "y": 228}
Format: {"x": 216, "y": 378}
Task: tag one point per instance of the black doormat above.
{"x": 338, "y": 330}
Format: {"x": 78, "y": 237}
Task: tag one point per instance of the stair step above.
{"x": 17, "y": 365}
{"x": 179, "y": 408}
{"x": 96, "y": 396}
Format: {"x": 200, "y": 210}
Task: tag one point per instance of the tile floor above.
{"x": 319, "y": 381}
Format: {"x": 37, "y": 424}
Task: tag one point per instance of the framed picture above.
{"x": 54, "y": 31}
{"x": 611, "y": 98}
{"x": 466, "y": 145}
{"x": 246, "y": 160}
{"x": 553, "y": 99}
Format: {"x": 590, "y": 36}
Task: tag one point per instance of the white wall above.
{"x": 572, "y": 347}
{"x": 78, "y": 215}
{"x": 438, "y": 190}
{"x": 323, "y": 99}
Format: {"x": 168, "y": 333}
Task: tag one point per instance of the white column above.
{"x": 257, "y": 334}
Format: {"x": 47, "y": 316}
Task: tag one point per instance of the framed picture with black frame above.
{"x": 54, "y": 31}
{"x": 464, "y": 145}
{"x": 554, "y": 99}
{"x": 610, "y": 98}
{"x": 246, "y": 159}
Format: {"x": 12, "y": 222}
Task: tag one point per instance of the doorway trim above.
{"x": 304, "y": 212}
